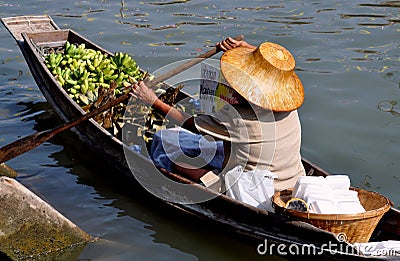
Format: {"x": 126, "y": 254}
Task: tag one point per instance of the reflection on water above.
{"x": 164, "y": 27}
{"x": 168, "y": 2}
{"x": 347, "y": 56}
{"x": 395, "y": 4}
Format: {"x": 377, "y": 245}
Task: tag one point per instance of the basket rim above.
{"x": 278, "y": 202}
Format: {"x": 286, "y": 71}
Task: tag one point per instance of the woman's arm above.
{"x": 142, "y": 92}
{"x": 148, "y": 97}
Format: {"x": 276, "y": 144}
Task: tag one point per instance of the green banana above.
{"x": 81, "y": 71}
{"x": 71, "y": 82}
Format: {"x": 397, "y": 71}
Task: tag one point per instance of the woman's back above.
{"x": 258, "y": 139}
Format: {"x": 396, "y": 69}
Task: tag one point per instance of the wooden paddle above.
{"x": 7, "y": 171}
{"x": 30, "y": 142}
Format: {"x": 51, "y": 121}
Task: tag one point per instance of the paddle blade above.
{"x": 24, "y": 144}
{"x": 7, "y": 171}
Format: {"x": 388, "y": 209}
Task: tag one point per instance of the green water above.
{"x": 348, "y": 58}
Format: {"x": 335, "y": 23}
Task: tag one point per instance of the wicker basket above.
{"x": 350, "y": 227}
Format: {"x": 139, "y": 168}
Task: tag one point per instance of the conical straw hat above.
{"x": 264, "y": 76}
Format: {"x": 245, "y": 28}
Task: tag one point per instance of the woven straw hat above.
{"x": 264, "y": 76}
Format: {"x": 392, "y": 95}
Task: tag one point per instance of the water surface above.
{"x": 347, "y": 55}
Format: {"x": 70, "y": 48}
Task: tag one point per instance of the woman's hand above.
{"x": 230, "y": 43}
{"x": 147, "y": 96}
{"x": 142, "y": 92}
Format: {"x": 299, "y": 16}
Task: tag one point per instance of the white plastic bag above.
{"x": 254, "y": 187}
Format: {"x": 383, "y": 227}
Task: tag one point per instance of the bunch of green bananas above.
{"x": 81, "y": 71}
{"x": 126, "y": 66}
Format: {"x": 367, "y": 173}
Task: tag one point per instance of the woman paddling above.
{"x": 261, "y": 128}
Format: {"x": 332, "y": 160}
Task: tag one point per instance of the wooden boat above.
{"x": 257, "y": 225}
